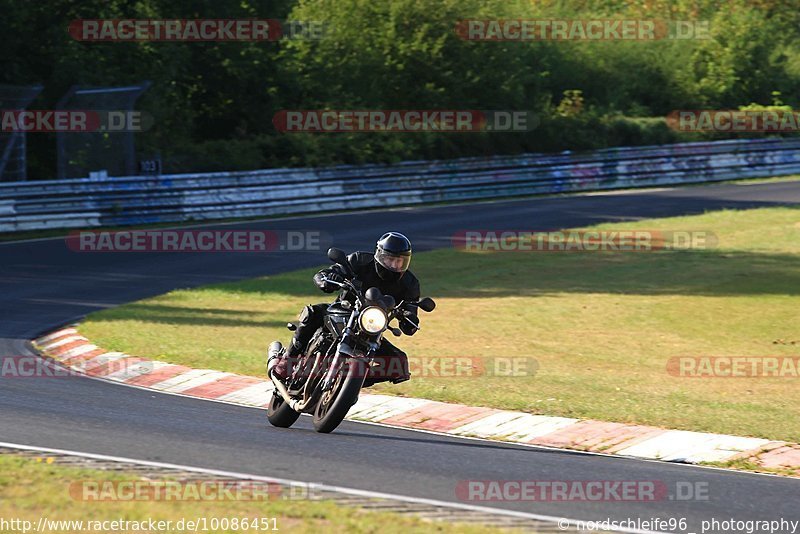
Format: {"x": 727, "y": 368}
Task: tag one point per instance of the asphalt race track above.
{"x": 44, "y": 285}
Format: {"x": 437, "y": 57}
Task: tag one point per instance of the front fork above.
{"x": 344, "y": 353}
{"x": 347, "y": 349}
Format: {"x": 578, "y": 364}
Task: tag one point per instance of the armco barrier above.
{"x": 120, "y": 201}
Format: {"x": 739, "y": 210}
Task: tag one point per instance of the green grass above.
{"x": 747, "y": 464}
{"x": 30, "y": 490}
{"x": 601, "y": 326}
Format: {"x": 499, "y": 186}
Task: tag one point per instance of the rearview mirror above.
{"x": 336, "y": 255}
{"x": 427, "y": 304}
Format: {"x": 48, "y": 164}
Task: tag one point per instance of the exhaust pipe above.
{"x": 274, "y": 351}
{"x": 295, "y": 405}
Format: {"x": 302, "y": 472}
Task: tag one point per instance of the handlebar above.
{"x": 346, "y": 284}
{"x": 399, "y": 310}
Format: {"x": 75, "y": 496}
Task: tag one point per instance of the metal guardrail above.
{"x": 121, "y": 201}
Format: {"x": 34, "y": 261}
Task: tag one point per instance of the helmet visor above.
{"x": 393, "y": 262}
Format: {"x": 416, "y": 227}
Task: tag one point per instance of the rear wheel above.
{"x": 334, "y": 404}
{"x": 279, "y": 413}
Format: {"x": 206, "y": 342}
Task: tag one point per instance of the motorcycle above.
{"x": 327, "y": 379}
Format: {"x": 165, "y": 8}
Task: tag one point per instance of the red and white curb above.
{"x": 74, "y": 351}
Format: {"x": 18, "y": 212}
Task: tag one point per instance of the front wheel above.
{"x": 279, "y": 412}
{"x": 335, "y": 403}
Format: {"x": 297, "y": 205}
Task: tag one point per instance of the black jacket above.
{"x": 363, "y": 266}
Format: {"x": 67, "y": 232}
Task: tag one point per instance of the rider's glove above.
{"x": 408, "y": 328}
{"x": 325, "y": 276}
{"x": 409, "y": 322}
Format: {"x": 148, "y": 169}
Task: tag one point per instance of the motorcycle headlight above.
{"x": 373, "y": 320}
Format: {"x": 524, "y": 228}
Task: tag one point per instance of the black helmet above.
{"x": 392, "y": 256}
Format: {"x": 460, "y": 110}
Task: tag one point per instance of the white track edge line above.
{"x": 322, "y": 487}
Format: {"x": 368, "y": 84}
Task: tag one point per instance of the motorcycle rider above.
{"x": 387, "y": 270}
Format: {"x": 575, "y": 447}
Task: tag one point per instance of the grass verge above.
{"x": 746, "y": 464}
{"x": 601, "y": 326}
{"x": 30, "y": 490}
